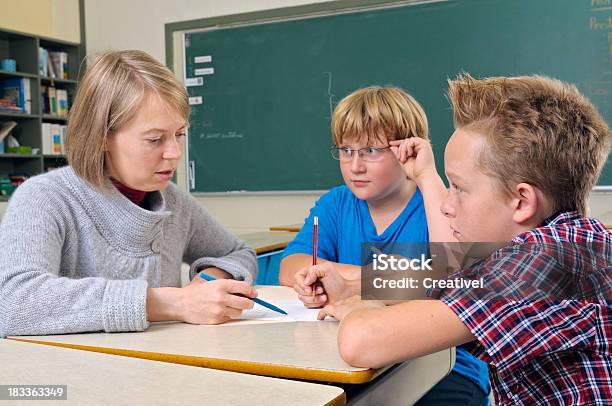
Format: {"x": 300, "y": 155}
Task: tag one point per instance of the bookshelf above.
{"x": 24, "y": 49}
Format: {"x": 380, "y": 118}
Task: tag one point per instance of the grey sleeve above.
{"x": 35, "y": 297}
{"x": 212, "y": 245}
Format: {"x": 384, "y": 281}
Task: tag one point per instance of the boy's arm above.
{"x": 372, "y": 336}
{"x": 434, "y": 192}
{"x": 416, "y": 157}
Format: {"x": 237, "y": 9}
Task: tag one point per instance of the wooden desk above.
{"x": 297, "y": 350}
{"x": 294, "y": 228}
{"x": 99, "y": 379}
{"x": 267, "y": 241}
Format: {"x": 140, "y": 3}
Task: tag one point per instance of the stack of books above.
{"x": 15, "y": 96}
{"x": 53, "y": 139}
{"x": 54, "y": 101}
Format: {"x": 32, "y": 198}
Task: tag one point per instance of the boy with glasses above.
{"x": 378, "y": 204}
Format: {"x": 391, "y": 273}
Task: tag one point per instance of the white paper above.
{"x": 295, "y": 312}
{"x": 202, "y": 59}
{"x": 204, "y": 71}
{"x": 194, "y": 82}
{"x": 195, "y": 100}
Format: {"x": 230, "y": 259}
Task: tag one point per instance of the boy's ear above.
{"x": 526, "y": 202}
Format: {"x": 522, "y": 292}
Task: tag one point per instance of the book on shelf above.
{"x": 47, "y": 144}
{"x": 64, "y": 131}
{"x": 43, "y": 62}
{"x": 57, "y": 138}
{"x": 62, "y": 102}
{"x": 27, "y": 92}
{"x": 52, "y": 95}
{"x": 44, "y": 99}
{"x": 50, "y": 69}
{"x": 53, "y": 139}
{"x": 16, "y": 95}
{"x": 8, "y": 106}
{"x": 54, "y": 101}
{"x": 53, "y": 64}
{"x": 59, "y": 61}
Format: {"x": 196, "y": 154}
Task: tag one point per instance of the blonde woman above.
{"x": 98, "y": 245}
{"x": 377, "y": 204}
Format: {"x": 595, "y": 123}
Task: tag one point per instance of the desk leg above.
{"x": 274, "y": 268}
{"x": 404, "y": 383}
{"x": 269, "y": 265}
{"x": 262, "y": 269}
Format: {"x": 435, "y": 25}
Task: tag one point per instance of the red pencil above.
{"x": 315, "y": 237}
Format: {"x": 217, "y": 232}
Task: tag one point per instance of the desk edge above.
{"x": 247, "y": 367}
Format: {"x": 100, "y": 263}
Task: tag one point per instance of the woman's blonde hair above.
{"x": 110, "y": 94}
{"x": 378, "y": 113}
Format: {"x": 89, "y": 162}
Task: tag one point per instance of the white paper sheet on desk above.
{"x": 295, "y": 312}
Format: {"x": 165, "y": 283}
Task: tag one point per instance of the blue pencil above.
{"x": 258, "y": 301}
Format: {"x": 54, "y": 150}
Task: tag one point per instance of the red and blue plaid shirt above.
{"x": 544, "y": 352}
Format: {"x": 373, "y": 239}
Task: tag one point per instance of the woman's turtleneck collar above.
{"x": 125, "y": 225}
{"x": 135, "y": 196}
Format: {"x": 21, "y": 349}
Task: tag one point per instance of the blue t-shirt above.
{"x": 345, "y": 222}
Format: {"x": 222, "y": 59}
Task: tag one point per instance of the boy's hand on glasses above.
{"x": 416, "y": 157}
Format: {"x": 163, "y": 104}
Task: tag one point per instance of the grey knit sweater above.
{"x": 76, "y": 259}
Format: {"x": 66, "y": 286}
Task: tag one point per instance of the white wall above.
{"x": 66, "y": 20}
{"x": 121, "y": 24}
{"x": 139, "y": 24}
{"x": 600, "y": 206}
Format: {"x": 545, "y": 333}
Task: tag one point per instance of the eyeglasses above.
{"x": 368, "y": 154}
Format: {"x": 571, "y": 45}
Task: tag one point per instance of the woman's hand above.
{"x": 214, "y": 302}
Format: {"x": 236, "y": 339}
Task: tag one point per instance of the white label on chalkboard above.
{"x": 204, "y": 71}
{"x": 191, "y": 175}
{"x": 202, "y": 59}
{"x": 195, "y": 100}
{"x": 194, "y": 82}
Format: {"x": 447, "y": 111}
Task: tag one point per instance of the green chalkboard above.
{"x": 264, "y": 119}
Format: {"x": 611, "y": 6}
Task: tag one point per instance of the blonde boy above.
{"x": 378, "y": 203}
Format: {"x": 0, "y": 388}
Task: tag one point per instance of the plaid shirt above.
{"x": 543, "y": 352}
